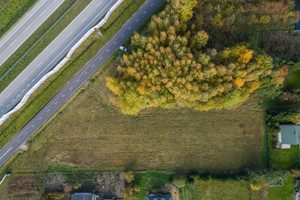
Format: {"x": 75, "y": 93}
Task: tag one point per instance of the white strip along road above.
{"x": 78, "y": 80}
{"x": 55, "y": 51}
{"x": 22, "y": 30}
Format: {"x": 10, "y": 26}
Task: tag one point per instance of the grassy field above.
{"x": 148, "y": 181}
{"x": 44, "y": 40}
{"x": 216, "y": 190}
{"x": 12, "y": 12}
{"x": 284, "y": 158}
{"x": 157, "y": 139}
{"x": 46, "y": 92}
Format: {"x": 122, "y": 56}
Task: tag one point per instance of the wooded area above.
{"x": 177, "y": 62}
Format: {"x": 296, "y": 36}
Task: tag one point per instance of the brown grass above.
{"x": 93, "y": 134}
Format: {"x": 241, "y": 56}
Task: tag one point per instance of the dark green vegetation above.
{"x": 11, "y": 12}
{"x": 84, "y": 53}
{"x": 59, "y": 25}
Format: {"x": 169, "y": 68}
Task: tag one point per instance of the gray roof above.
{"x": 84, "y": 196}
{"x": 159, "y": 197}
{"x": 290, "y": 134}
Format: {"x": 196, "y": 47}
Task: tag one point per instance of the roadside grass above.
{"x": 157, "y": 139}
{"x": 43, "y": 43}
{"x": 150, "y": 180}
{"x": 49, "y": 89}
{"x": 3, "y": 3}
{"x": 213, "y": 189}
{"x": 12, "y": 12}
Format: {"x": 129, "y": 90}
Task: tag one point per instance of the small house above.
{"x": 85, "y": 196}
{"x": 158, "y": 197}
{"x": 289, "y": 135}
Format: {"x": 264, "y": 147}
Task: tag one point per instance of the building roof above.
{"x": 84, "y": 196}
{"x": 290, "y": 134}
{"x": 159, "y": 197}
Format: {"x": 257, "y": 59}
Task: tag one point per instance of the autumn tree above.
{"x": 172, "y": 65}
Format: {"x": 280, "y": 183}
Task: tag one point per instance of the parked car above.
{"x": 123, "y": 48}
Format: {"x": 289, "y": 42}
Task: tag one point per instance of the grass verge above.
{"x": 84, "y": 53}
{"x": 37, "y": 48}
{"x": 12, "y": 12}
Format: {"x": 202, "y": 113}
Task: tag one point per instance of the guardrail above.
{"x": 60, "y": 64}
{"x": 6, "y": 175}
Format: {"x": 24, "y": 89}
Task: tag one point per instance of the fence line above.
{"x": 60, "y": 64}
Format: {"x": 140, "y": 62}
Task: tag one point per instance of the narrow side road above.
{"x": 78, "y": 80}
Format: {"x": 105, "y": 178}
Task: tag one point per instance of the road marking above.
{"x": 48, "y": 110}
{"x": 25, "y": 133}
{"x": 32, "y": 127}
{"x": 18, "y": 140}
{"x": 77, "y": 80}
{"x": 55, "y": 103}
{"x": 53, "y": 50}
{"x": 2, "y": 110}
{"x": 69, "y": 34}
{"x": 8, "y": 95}
{"x": 107, "y": 50}
{"x": 12, "y": 43}
{"x": 84, "y": 73}
{"x": 28, "y": 85}
{"x": 129, "y": 27}
{"x": 63, "y": 95}
{"x": 122, "y": 35}
{"x": 23, "y": 79}
{"x": 115, "y": 42}
{"x": 5, "y": 153}
{"x": 40, "y": 118}
{"x": 70, "y": 88}
{"x": 144, "y": 12}
{"x": 13, "y": 100}
{"x": 151, "y": 5}
{"x": 137, "y": 20}
{"x": 7, "y": 106}
{"x": 100, "y": 58}
{"x": 27, "y": 28}
{"x": 93, "y": 65}
{"x": 84, "y": 19}
{"x": 42, "y": 13}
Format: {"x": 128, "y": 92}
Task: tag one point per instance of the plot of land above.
{"x": 91, "y": 133}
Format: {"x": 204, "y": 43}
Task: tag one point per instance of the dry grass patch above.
{"x": 91, "y": 133}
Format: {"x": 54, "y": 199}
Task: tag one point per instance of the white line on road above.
{"x": 137, "y": 20}
{"x": 77, "y": 80}
{"x": 63, "y": 95}
{"x": 53, "y": 50}
{"x": 27, "y": 27}
{"x": 151, "y": 5}
{"x": 23, "y": 80}
{"x": 5, "y": 153}
{"x": 70, "y": 88}
{"x": 48, "y": 110}
{"x": 32, "y": 127}
{"x": 84, "y": 73}
{"x": 122, "y": 35}
{"x": 8, "y": 95}
{"x": 40, "y": 118}
{"x": 129, "y": 27}
{"x": 144, "y": 12}
{"x": 55, "y": 103}
{"x": 12, "y": 43}
{"x": 69, "y": 34}
{"x": 18, "y": 140}
{"x": 115, "y": 42}
{"x": 107, "y": 50}
{"x": 100, "y": 58}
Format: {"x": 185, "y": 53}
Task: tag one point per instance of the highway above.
{"x": 21, "y": 31}
{"x": 78, "y": 80}
{"x": 53, "y": 53}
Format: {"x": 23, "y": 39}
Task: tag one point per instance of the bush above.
{"x": 179, "y": 181}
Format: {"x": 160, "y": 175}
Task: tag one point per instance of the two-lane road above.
{"x": 53, "y": 53}
{"x": 21, "y": 31}
{"x": 78, "y": 80}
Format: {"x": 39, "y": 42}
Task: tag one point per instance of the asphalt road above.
{"x": 78, "y": 80}
{"x": 53, "y": 53}
{"x": 21, "y": 31}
